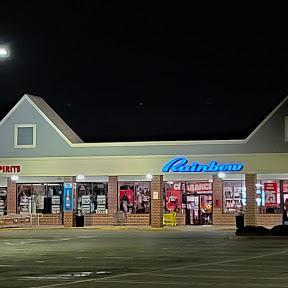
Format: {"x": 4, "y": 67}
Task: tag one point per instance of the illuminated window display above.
{"x": 92, "y": 198}
{"x": 270, "y": 194}
{"x": 234, "y": 196}
{"x": 192, "y": 198}
{"x": 3, "y": 201}
{"x": 39, "y": 198}
{"x": 134, "y": 197}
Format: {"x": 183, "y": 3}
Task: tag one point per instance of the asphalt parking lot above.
{"x": 141, "y": 258}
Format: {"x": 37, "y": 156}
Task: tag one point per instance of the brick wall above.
{"x": 98, "y": 219}
{"x": 138, "y": 219}
{"x": 157, "y": 204}
{"x": 49, "y": 219}
{"x": 11, "y": 196}
{"x": 268, "y": 220}
{"x": 180, "y": 219}
{"x": 250, "y": 213}
{"x": 68, "y": 219}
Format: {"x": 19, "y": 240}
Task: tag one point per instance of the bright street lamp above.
{"x": 4, "y": 52}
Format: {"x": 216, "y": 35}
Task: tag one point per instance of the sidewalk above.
{"x": 190, "y": 228}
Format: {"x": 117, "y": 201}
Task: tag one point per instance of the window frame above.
{"x": 33, "y": 126}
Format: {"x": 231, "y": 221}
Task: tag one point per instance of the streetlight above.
{"x": 4, "y": 52}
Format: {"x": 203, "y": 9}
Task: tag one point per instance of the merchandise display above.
{"x": 92, "y": 198}
{"x": 3, "y": 201}
{"x": 134, "y": 197}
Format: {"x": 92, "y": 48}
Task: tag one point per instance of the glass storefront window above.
{"x": 39, "y": 198}
{"x": 92, "y": 198}
{"x": 268, "y": 195}
{"x": 134, "y": 197}
{"x": 234, "y": 196}
{"x": 3, "y": 201}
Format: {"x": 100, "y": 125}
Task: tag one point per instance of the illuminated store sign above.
{"x": 181, "y": 164}
{"x": 10, "y": 169}
{"x": 67, "y": 197}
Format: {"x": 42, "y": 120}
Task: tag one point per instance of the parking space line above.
{"x": 108, "y": 278}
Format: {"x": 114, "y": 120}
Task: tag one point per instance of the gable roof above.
{"x": 50, "y": 116}
{"x": 55, "y": 119}
{"x": 75, "y": 141}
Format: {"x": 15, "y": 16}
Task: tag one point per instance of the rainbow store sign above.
{"x": 181, "y": 164}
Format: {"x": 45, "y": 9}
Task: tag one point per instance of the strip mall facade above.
{"x": 47, "y": 170}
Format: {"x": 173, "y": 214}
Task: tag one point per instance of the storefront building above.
{"x": 49, "y": 174}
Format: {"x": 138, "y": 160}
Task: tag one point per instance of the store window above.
{"x": 3, "y": 201}
{"x": 268, "y": 195}
{"x": 25, "y": 136}
{"x": 234, "y": 196}
{"x": 192, "y": 198}
{"x": 39, "y": 198}
{"x": 92, "y": 198}
{"x": 134, "y": 197}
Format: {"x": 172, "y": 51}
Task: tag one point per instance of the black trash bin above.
{"x": 79, "y": 220}
{"x": 239, "y": 220}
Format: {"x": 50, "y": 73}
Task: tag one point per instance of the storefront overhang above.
{"x": 138, "y": 165}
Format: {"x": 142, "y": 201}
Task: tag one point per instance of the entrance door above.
{"x": 199, "y": 209}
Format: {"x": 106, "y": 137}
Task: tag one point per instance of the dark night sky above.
{"x": 120, "y": 71}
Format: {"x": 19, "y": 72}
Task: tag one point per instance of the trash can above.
{"x": 239, "y": 220}
{"x": 79, "y": 220}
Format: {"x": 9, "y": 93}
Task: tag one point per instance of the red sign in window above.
{"x": 270, "y": 194}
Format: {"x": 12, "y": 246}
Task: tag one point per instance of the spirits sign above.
{"x": 10, "y": 169}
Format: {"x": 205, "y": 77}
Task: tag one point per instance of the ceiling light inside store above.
{"x": 80, "y": 177}
{"x": 14, "y": 177}
{"x": 221, "y": 175}
{"x": 149, "y": 176}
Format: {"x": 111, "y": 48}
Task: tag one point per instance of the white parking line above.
{"x": 109, "y": 278}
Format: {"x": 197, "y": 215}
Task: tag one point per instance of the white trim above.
{"x": 188, "y": 177}
{"x": 94, "y": 179}
{"x": 276, "y": 176}
{"x": 128, "y": 178}
{"x": 48, "y": 120}
{"x": 16, "y": 126}
{"x": 286, "y": 128}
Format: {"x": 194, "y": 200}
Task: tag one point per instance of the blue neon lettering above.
{"x": 180, "y": 164}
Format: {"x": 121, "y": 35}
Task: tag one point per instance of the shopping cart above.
{"x": 169, "y": 219}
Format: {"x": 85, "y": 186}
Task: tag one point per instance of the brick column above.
{"x": 112, "y": 195}
{"x": 217, "y": 200}
{"x": 68, "y": 219}
{"x": 11, "y": 196}
{"x": 157, "y": 204}
{"x": 250, "y": 214}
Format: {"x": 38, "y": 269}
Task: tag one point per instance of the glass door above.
{"x": 199, "y": 210}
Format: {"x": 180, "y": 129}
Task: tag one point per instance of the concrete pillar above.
{"x": 112, "y": 195}
{"x": 250, "y": 213}
{"x": 11, "y": 196}
{"x": 157, "y": 201}
{"x": 217, "y": 200}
